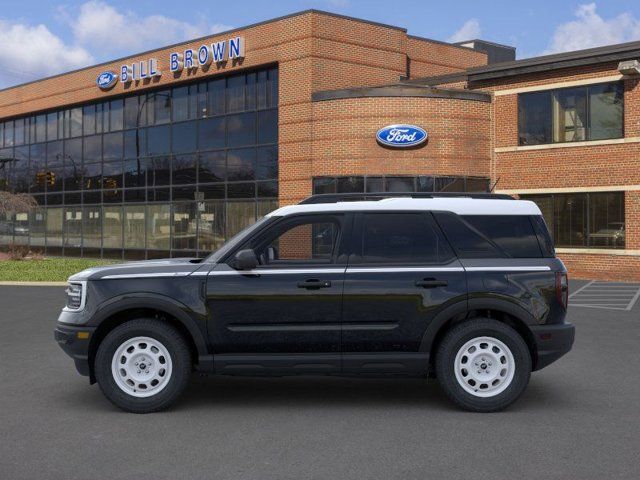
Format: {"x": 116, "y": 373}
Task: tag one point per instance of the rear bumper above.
{"x": 552, "y": 342}
{"x": 75, "y": 343}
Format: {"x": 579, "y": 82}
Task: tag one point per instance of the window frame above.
{"x": 552, "y": 94}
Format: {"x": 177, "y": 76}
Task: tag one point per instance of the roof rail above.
{"x": 354, "y": 197}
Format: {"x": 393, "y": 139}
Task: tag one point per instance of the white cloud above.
{"x": 29, "y": 52}
{"x": 469, "y": 31}
{"x": 108, "y": 31}
{"x": 591, "y": 30}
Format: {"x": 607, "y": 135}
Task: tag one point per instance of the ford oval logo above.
{"x": 401, "y": 136}
{"x": 106, "y": 80}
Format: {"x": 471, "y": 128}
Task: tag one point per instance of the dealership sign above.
{"x": 189, "y": 59}
{"x": 106, "y": 80}
{"x": 401, "y": 136}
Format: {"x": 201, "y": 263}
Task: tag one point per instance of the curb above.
{"x": 33, "y": 284}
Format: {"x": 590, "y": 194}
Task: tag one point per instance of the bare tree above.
{"x": 16, "y": 202}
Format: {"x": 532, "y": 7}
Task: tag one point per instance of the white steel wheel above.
{"x": 484, "y": 367}
{"x": 141, "y": 367}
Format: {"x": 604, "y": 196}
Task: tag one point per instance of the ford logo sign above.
{"x": 401, "y": 136}
{"x": 106, "y": 80}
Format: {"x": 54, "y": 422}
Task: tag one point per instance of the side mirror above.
{"x": 245, "y": 260}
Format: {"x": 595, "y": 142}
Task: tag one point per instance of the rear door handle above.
{"x": 314, "y": 284}
{"x": 431, "y": 283}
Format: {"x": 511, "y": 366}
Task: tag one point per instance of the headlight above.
{"x": 76, "y": 295}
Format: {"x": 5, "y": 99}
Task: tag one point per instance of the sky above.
{"x": 39, "y": 38}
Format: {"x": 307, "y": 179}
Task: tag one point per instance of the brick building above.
{"x": 169, "y": 152}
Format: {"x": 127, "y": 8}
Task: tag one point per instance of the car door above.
{"x": 401, "y": 274}
{"x": 285, "y": 313}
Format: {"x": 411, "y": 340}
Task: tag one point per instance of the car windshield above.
{"x": 230, "y": 244}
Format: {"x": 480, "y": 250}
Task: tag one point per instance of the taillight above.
{"x": 562, "y": 289}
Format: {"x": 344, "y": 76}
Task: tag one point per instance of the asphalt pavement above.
{"x": 579, "y": 418}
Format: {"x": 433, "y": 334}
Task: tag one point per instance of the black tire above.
{"x": 456, "y": 338}
{"x": 177, "y": 348}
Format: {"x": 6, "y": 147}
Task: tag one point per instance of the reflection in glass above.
{"x": 184, "y": 226}
{"x": 112, "y": 236}
{"x": 158, "y": 226}
{"x": 134, "y": 224}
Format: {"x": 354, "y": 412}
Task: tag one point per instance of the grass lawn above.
{"x": 47, "y": 270}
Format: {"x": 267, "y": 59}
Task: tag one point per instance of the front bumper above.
{"x": 74, "y": 340}
{"x": 552, "y": 342}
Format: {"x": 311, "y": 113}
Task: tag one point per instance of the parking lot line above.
{"x": 606, "y": 295}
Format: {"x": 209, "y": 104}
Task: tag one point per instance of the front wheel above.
{"x": 143, "y": 365}
{"x": 483, "y": 365}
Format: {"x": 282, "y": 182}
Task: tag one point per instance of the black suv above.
{"x": 467, "y": 289}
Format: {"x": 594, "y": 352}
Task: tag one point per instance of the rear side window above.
{"x": 468, "y": 241}
{"x": 514, "y": 234}
{"x": 544, "y": 239}
{"x": 402, "y": 238}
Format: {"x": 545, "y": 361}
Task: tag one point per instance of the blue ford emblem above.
{"x": 106, "y": 80}
{"x": 401, "y": 136}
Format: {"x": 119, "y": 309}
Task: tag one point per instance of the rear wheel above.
{"x": 143, "y": 365}
{"x": 483, "y": 365}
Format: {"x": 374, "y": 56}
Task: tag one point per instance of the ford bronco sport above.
{"x": 466, "y": 288}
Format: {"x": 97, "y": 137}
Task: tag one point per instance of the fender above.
{"x": 155, "y": 301}
{"x": 462, "y": 307}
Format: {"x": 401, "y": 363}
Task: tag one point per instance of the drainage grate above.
{"x": 607, "y": 295}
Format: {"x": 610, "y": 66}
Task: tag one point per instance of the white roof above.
{"x": 461, "y": 206}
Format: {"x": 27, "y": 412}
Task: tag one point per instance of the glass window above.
{"x": 514, "y": 234}
{"x": 272, "y": 88}
{"x": 37, "y": 226}
{"x": 184, "y": 170}
{"x": 605, "y": 111}
{"x": 267, "y": 163}
{"x": 350, "y": 184}
{"x": 75, "y": 122}
{"x": 399, "y": 184}
{"x": 324, "y": 185}
{"x": 158, "y": 227}
{"x": 571, "y": 114}
{"x": 92, "y": 148}
{"x": 8, "y": 134}
{"x": 92, "y": 227}
{"x": 131, "y": 112}
{"x": 112, "y": 227}
{"x": 235, "y": 93}
{"x": 239, "y": 215}
{"x": 183, "y": 137}
{"x": 135, "y": 173}
{"x": 134, "y": 225}
{"x": 594, "y": 220}
{"x": 212, "y": 167}
{"x": 41, "y": 128}
{"x": 116, "y": 115}
{"x": 268, "y": 126}
{"x": 467, "y": 241}
{"x": 241, "y": 164}
{"x": 309, "y": 241}
{"x": 112, "y": 146}
{"x": 92, "y": 177}
{"x": 159, "y": 171}
{"x": 89, "y": 116}
{"x": 402, "y": 238}
{"x": 211, "y": 226}
{"x": 211, "y": 133}
{"x": 241, "y": 190}
{"x": 425, "y": 184}
{"x": 184, "y": 226}
{"x": 19, "y": 131}
{"x": 112, "y": 175}
{"x": 534, "y": 118}
{"x": 162, "y": 107}
{"x": 216, "y": 97}
{"x": 180, "y": 104}
{"x": 477, "y": 184}
{"x": 241, "y": 129}
{"x": 54, "y": 227}
{"x": 158, "y": 140}
{"x": 449, "y": 184}
{"x": 73, "y": 227}
{"x": 250, "y": 91}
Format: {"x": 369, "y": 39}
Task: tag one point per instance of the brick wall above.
{"x": 430, "y": 58}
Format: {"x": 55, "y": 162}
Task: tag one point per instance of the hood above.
{"x": 170, "y": 267}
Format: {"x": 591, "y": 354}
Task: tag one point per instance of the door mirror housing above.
{"x": 245, "y": 260}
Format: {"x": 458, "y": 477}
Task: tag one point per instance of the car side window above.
{"x": 401, "y": 238}
{"x": 304, "y": 241}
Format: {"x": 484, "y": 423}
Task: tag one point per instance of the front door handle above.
{"x": 314, "y": 284}
{"x": 431, "y": 283}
